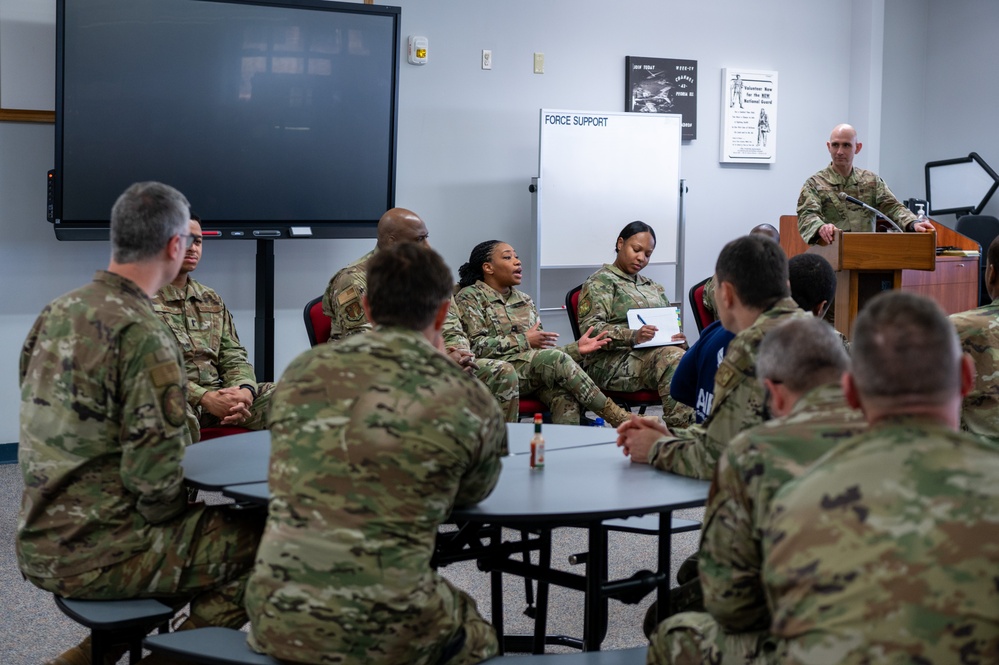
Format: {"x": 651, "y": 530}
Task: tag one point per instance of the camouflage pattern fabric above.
{"x": 738, "y": 403}
{"x": 708, "y": 296}
{"x": 819, "y": 203}
{"x": 886, "y": 550}
{"x": 213, "y": 356}
{"x": 979, "y": 333}
{"x": 374, "y": 440}
{"x": 342, "y": 299}
{"x": 750, "y": 471}
{"x": 604, "y": 301}
{"x": 694, "y": 638}
{"x": 497, "y": 327}
{"x": 499, "y": 376}
{"x": 104, "y": 513}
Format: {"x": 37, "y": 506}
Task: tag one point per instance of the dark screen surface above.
{"x": 267, "y": 116}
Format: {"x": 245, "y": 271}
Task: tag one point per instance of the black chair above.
{"x": 983, "y": 229}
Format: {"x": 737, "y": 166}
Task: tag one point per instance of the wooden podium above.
{"x": 868, "y": 263}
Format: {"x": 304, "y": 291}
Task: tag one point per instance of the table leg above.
{"x": 595, "y": 613}
{"x": 665, "y": 548}
{"x": 541, "y": 608}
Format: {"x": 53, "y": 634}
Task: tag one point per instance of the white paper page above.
{"x": 667, "y": 319}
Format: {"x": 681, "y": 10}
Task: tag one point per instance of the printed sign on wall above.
{"x": 749, "y": 116}
{"x": 662, "y": 85}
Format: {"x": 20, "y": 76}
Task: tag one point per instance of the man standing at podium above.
{"x": 821, "y": 210}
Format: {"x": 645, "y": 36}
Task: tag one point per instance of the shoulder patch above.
{"x": 348, "y": 294}
{"x": 585, "y": 306}
{"x": 174, "y": 405}
{"x": 164, "y": 374}
{"x": 725, "y": 376}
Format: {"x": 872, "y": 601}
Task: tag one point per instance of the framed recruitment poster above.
{"x": 749, "y": 116}
{"x": 662, "y": 85}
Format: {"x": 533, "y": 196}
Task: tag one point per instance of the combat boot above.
{"x": 82, "y": 652}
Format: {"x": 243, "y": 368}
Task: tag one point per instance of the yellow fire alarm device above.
{"x": 418, "y": 50}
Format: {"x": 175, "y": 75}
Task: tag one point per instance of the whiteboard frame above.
{"x": 651, "y": 176}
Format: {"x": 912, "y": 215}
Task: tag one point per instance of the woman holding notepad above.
{"x": 605, "y": 301}
{"x": 503, "y": 323}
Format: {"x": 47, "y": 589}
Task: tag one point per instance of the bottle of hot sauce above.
{"x": 537, "y": 445}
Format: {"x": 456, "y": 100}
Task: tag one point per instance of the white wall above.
{"x": 468, "y": 139}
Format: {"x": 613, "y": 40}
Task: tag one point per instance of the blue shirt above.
{"x": 693, "y": 382}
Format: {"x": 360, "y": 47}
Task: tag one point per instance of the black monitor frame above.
{"x": 227, "y": 228}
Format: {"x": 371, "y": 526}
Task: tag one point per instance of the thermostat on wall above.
{"x": 418, "y": 50}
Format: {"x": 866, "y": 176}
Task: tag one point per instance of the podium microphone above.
{"x": 846, "y": 197}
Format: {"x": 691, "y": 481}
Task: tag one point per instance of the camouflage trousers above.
{"x": 692, "y": 638}
{"x": 559, "y": 382}
{"x": 198, "y": 418}
{"x": 628, "y": 370}
{"x": 446, "y": 629}
{"x": 203, "y": 557}
{"x": 501, "y": 379}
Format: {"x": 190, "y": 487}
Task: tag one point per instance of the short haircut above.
{"x": 767, "y": 231}
{"x": 635, "y": 228}
{"x": 802, "y": 354}
{"x": 143, "y": 220}
{"x": 471, "y": 271}
{"x": 407, "y": 283}
{"x": 812, "y": 280}
{"x": 756, "y": 267}
{"x": 993, "y": 253}
{"x": 904, "y": 345}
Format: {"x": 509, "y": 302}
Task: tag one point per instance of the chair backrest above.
{"x": 702, "y": 317}
{"x": 317, "y": 324}
{"x": 572, "y": 309}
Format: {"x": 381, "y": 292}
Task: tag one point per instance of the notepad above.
{"x": 666, "y": 319}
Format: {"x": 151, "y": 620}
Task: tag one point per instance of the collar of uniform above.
{"x": 119, "y": 282}
{"x": 193, "y": 290}
{"x": 781, "y": 307}
{"x": 492, "y": 294}
{"x": 821, "y": 398}
{"x": 836, "y": 179}
{"x": 620, "y": 273}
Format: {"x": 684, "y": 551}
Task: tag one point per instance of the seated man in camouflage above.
{"x": 342, "y": 299}
{"x": 979, "y": 333}
{"x": 374, "y": 440}
{"x": 800, "y": 365}
{"x": 885, "y": 550}
{"x": 104, "y": 514}
{"x": 708, "y": 294}
{"x": 753, "y": 297}
{"x": 222, "y": 387}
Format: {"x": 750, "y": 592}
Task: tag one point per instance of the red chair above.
{"x": 317, "y": 324}
{"x": 702, "y": 317}
{"x": 640, "y": 399}
{"x": 208, "y": 433}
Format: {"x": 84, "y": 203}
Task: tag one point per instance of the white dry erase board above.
{"x": 600, "y": 171}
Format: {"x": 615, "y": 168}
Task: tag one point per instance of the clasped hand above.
{"x": 230, "y": 405}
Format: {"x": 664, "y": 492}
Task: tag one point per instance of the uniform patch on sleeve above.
{"x": 348, "y": 294}
{"x": 164, "y": 374}
{"x": 585, "y": 306}
{"x": 174, "y": 405}
{"x": 725, "y": 375}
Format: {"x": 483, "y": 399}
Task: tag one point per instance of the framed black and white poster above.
{"x": 662, "y": 85}
{"x": 749, "y": 116}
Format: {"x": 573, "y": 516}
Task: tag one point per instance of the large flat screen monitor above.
{"x": 276, "y": 119}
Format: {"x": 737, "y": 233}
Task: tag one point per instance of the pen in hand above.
{"x": 641, "y": 319}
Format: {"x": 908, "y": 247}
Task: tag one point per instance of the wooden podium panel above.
{"x": 868, "y": 263}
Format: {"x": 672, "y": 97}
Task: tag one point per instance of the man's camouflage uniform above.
{"x": 604, "y": 301}
{"x": 213, "y": 356}
{"x": 819, "y": 203}
{"x": 886, "y": 550}
{"x": 750, "y": 471}
{"x": 979, "y": 333}
{"x": 342, "y": 299}
{"x": 374, "y": 440}
{"x": 104, "y": 513}
{"x": 497, "y": 327}
{"x": 738, "y": 403}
